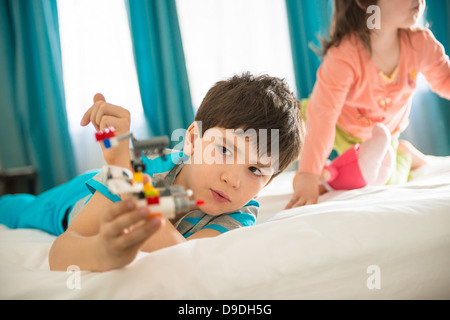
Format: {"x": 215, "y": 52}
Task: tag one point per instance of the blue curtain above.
{"x": 33, "y": 122}
{"x": 429, "y": 128}
{"x": 160, "y": 64}
{"x": 307, "y": 20}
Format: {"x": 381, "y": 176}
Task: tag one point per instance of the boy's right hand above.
{"x": 103, "y": 115}
{"x": 306, "y": 190}
{"x": 123, "y": 230}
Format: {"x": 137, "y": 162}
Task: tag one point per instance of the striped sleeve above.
{"x": 245, "y": 217}
{"x": 98, "y": 183}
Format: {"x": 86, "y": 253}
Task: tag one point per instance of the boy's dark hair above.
{"x": 256, "y": 102}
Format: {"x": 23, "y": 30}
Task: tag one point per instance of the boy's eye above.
{"x": 255, "y": 171}
{"x": 225, "y": 151}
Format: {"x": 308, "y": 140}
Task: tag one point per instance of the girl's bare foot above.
{"x": 417, "y": 158}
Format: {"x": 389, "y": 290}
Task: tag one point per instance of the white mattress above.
{"x": 389, "y": 242}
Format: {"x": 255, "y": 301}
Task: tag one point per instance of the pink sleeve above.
{"x": 434, "y": 63}
{"x": 334, "y": 78}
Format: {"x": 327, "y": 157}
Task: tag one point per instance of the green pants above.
{"x": 400, "y": 174}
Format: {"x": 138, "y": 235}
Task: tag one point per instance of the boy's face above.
{"x": 223, "y": 170}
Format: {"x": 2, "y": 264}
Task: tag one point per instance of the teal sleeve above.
{"x": 162, "y": 164}
{"x": 245, "y": 217}
{"x": 98, "y": 183}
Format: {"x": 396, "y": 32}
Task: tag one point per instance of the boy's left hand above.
{"x": 123, "y": 230}
{"x": 103, "y": 115}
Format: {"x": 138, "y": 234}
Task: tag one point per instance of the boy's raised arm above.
{"x": 103, "y": 115}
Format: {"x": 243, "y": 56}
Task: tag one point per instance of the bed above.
{"x": 387, "y": 242}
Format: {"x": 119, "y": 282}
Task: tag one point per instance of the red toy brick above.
{"x": 105, "y": 134}
{"x": 152, "y": 200}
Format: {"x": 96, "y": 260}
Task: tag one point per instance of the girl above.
{"x": 368, "y": 76}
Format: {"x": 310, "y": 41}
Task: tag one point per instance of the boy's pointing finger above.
{"x": 99, "y": 97}
{"x": 87, "y": 116}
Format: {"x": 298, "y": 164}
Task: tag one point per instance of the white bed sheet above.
{"x": 325, "y": 251}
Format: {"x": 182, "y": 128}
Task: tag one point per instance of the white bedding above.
{"x": 390, "y": 242}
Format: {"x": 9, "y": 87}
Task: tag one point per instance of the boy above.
{"x": 222, "y": 170}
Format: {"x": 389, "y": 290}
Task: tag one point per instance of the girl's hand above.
{"x": 306, "y": 190}
{"x": 123, "y": 230}
{"x": 103, "y": 115}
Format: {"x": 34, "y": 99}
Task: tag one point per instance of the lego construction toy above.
{"x": 166, "y": 201}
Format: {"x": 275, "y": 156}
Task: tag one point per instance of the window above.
{"x": 97, "y": 56}
{"x": 220, "y": 38}
{"x": 226, "y": 37}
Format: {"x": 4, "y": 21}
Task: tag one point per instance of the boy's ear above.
{"x": 189, "y": 140}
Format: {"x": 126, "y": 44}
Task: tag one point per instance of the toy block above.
{"x": 105, "y": 134}
{"x": 138, "y": 177}
{"x": 154, "y": 215}
{"x": 147, "y": 188}
{"x": 150, "y": 190}
{"x": 152, "y": 200}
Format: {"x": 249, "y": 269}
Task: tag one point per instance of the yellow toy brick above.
{"x": 138, "y": 177}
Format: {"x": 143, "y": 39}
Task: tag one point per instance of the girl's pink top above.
{"x": 351, "y": 92}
